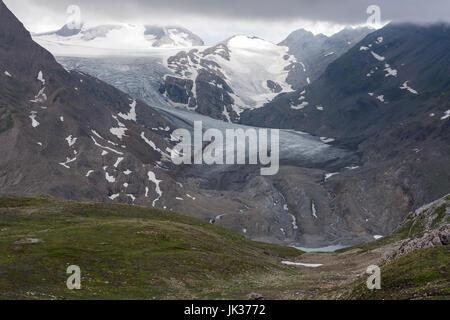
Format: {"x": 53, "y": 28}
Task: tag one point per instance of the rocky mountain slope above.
{"x": 316, "y": 52}
{"x": 415, "y": 263}
{"x": 387, "y": 98}
{"x": 71, "y": 135}
{"x": 393, "y": 74}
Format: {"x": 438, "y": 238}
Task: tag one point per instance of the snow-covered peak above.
{"x": 171, "y": 36}
{"x": 254, "y": 69}
{"x": 246, "y": 42}
{"x": 116, "y": 38}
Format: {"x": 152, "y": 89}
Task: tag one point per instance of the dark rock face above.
{"x": 211, "y": 94}
{"x": 275, "y": 87}
{"x": 180, "y": 90}
{"x": 429, "y": 239}
{"x": 215, "y": 100}
{"x": 358, "y": 95}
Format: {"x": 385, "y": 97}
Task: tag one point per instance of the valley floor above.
{"x": 130, "y": 252}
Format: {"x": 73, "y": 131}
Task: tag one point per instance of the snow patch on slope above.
{"x": 152, "y": 178}
{"x": 68, "y": 160}
{"x": 308, "y": 265}
{"x": 406, "y": 87}
{"x": 446, "y": 115}
{"x": 131, "y": 115}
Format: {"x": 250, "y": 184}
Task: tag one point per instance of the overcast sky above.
{"x": 216, "y": 20}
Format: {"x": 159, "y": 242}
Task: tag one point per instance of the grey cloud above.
{"x": 334, "y": 11}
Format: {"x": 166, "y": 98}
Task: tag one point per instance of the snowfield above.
{"x": 119, "y": 38}
{"x": 247, "y": 64}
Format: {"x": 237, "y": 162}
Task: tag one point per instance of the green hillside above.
{"x": 421, "y": 274}
{"x": 131, "y": 252}
{"x": 127, "y": 252}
